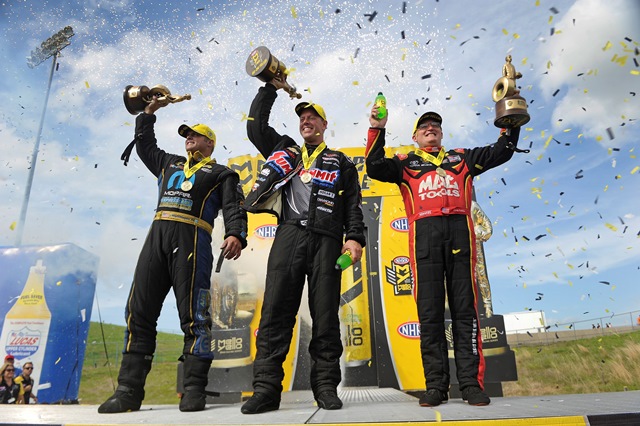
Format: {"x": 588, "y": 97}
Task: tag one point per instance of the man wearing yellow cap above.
{"x": 315, "y": 194}
{"x": 437, "y": 188}
{"x": 177, "y": 255}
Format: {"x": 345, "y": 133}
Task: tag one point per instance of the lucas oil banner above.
{"x": 46, "y": 296}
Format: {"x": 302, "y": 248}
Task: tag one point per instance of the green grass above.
{"x": 608, "y": 363}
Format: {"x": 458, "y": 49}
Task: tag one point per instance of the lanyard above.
{"x": 308, "y": 161}
{"x": 430, "y": 158}
{"x": 189, "y": 171}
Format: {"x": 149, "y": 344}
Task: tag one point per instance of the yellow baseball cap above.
{"x": 201, "y": 129}
{"x": 427, "y": 116}
{"x": 317, "y": 108}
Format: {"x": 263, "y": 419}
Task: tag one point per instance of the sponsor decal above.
{"x": 399, "y": 276}
{"x": 280, "y": 161}
{"x": 434, "y": 186}
{"x": 177, "y": 178}
{"x": 326, "y": 193}
{"x": 409, "y": 330}
{"x": 324, "y": 177}
{"x": 266, "y": 231}
{"x": 400, "y": 224}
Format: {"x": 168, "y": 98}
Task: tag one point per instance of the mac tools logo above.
{"x": 266, "y": 231}
{"x": 409, "y": 330}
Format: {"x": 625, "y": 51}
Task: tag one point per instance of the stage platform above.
{"x": 362, "y": 407}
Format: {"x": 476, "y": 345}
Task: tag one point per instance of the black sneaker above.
{"x": 259, "y": 403}
{"x": 124, "y": 399}
{"x": 329, "y": 400}
{"x": 474, "y": 396}
{"x": 433, "y": 398}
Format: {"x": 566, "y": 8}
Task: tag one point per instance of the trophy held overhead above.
{"x": 266, "y": 67}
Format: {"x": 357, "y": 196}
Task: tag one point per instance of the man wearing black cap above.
{"x": 177, "y": 254}
{"x": 315, "y": 194}
{"x": 437, "y": 189}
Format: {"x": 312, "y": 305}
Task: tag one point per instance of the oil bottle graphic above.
{"x": 26, "y": 326}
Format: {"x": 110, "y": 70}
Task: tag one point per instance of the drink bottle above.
{"x": 381, "y": 103}
{"x": 344, "y": 261}
{"x": 26, "y": 326}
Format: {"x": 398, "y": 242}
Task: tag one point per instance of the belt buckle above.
{"x": 303, "y": 222}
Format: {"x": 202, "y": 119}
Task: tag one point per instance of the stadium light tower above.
{"x": 48, "y": 48}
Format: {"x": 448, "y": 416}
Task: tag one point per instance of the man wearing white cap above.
{"x": 177, "y": 255}
{"x": 437, "y": 189}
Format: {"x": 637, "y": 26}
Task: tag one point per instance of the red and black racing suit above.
{"x": 177, "y": 251}
{"x": 304, "y": 246}
{"x": 442, "y": 246}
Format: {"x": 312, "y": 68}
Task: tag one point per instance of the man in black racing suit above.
{"x": 437, "y": 189}
{"x": 177, "y": 254}
{"x": 315, "y": 194}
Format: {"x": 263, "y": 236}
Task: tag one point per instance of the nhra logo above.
{"x": 266, "y": 231}
{"x": 401, "y": 224}
{"x": 409, "y": 330}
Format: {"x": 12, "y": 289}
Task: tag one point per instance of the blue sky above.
{"x": 565, "y": 216}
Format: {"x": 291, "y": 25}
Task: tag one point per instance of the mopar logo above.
{"x": 400, "y": 224}
{"x": 266, "y": 231}
{"x": 410, "y": 330}
{"x": 401, "y": 260}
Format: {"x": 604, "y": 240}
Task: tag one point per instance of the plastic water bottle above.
{"x": 381, "y": 103}
{"x": 344, "y": 261}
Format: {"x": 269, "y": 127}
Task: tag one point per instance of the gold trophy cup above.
{"x": 263, "y": 65}
{"x": 136, "y": 98}
{"x": 511, "y": 108}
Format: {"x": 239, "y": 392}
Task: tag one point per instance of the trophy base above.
{"x": 511, "y": 112}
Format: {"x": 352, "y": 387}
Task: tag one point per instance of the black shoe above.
{"x": 122, "y": 401}
{"x": 259, "y": 403}
{"x": 329, "y": 400}
{"x": 474, "y": 396}
{"x": 433, "y": 398}
{"x": 193, "y": 401}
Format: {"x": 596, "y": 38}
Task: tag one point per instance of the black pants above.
{"x": 174, "y": 255}
{"x": 444, "y": 247}
{"x": 297, "y": 253}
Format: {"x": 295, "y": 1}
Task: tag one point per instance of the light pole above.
{"x": 50, "y": 47}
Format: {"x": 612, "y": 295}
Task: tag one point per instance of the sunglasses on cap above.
{"x": 28, "y": 368}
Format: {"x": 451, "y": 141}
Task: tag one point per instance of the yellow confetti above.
{"x": 524, "y": 61}
{"x": 635, "y": 170}
{"x": 86, "y": 84}
{"x": 607, "y": 46}
{"x": 555, "y": 274}
{"x": 13, "y": 225}
{"x": 294, "y": 13}
{"x": 59, "y": 283}
{"x": 546, "y": 144}
{"x": 355, "y": 83}
{"x": 599, "y": 138}
{"x": 438, "y": 416}
{"x": 524, "y": 285}
{"x": 634, "y": 72}
{"x": 210, "y": 105}
{"x": 505, "y": 32}
{"x": 550, "y": 19}
{"x": 200, "y": 90}
{"x": 57, "y": 361}
{"x": 516, "y": 35}
{"x": 610, "y": 226}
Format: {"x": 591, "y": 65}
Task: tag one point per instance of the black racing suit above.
{"x": 177, "y": 251}
{"x": 442, "y": 248}
{"x": 305, "y": 245}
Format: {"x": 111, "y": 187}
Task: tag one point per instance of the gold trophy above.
{"x": 511, "y": 108}
{"x": 136, "y": 98}
{"x": 262, "y": 64}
